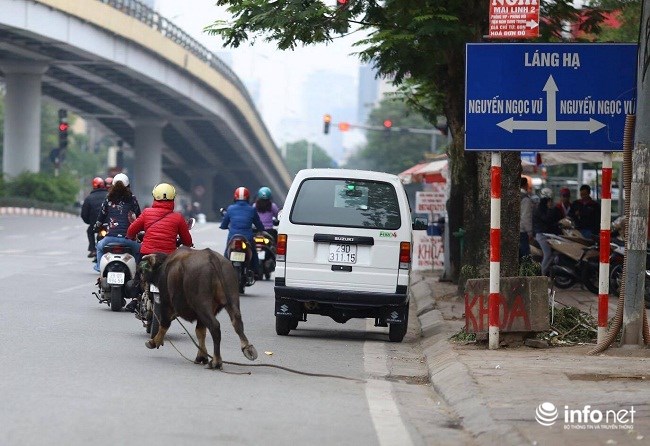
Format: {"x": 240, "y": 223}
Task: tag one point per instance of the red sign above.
{"x": 514, "y": 19}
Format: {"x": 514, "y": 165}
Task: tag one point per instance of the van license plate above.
{"x": 342, "y": 253}
{"x": 237, "y": 256}
{"x": 115, "y": 278}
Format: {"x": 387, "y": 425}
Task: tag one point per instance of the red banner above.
{"x": 514, "y": 19}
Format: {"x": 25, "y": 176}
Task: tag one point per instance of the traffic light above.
{"x": 342, "y": 4}
{"x": 344, "y": 126}
{"x": 327, "y": 120}
{"x": 63, "y": 128}
{"x": 388, "y": 124}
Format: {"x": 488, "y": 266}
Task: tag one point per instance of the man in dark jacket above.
{"x": 90, "y": 209}
{"x": 585, "y": 212}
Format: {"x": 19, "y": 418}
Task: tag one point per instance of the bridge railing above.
{"x": 145, "y": 14}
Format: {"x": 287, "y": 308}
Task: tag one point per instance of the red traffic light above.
{"x": 344, "y": 126}
{"x": 388, "y": 124}
{"x": 341, "y": 2}
{"x": 63, "y": 127}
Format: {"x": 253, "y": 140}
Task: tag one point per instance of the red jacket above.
{"x": 161, "y": 225}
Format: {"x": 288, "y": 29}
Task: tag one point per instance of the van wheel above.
{"x": 282, "y": 325}
{"x": 396, "y": 332}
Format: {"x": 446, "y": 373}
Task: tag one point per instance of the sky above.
{"x": 279, "y": 74}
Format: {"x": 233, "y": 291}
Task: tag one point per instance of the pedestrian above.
{"x": 564, "y": 205}
{"x": 525, "y": 219}
{"x": 585, "y": 213}
{"x": 90, "y": 209}
{"x": 546, "y": 218}
{"x": 118, "y": 210}
{"x": 266, "y": 209}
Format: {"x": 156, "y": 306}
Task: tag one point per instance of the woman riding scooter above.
{"x": 161, "y": 226}
{"x": 266, "y": 209}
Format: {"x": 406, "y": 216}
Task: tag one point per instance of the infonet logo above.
{"x": 546, "y": 414}
{"x": 586, "y": 417}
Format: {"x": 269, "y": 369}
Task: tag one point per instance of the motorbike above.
{"x": 616, "y": 265}
{"x": 100, "y": 233}
{"x": 265, "y": 245}
{"x": 148, "y": 307}
{"x": 116, "y": 268}
{"x": 573, "y": 262}
{"x": 240, "y": 252}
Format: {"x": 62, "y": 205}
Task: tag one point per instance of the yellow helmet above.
{"x": 164, "y": 192}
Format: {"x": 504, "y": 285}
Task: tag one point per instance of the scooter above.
{"x": 573, "y": 262}
{"x": 100, "y": 233}
{"x": 240, "y": 252}
{"x": 148, "y": 308}
{"x": 116, "y": 268}
{"x": 265, "y": 245}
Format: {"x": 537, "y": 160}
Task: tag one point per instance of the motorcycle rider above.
{"x": 161, "y": 226}
{"x": 266, "y": 209}
{"x": 118, "y": 210}
{"x": 90, "y": 209}
{"x": 239, "y": 219}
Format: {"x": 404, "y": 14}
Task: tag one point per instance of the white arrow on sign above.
{"x": 531, "y": 24}
{"x": 551, "y": 125}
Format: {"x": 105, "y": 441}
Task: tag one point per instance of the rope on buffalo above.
{"x": 318, "y": 375}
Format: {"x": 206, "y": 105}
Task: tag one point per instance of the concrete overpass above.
{"x": 186, "y": 114}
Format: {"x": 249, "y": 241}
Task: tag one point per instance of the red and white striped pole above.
{"x": 495, "y": 251}
{"x": 605, "y": 238}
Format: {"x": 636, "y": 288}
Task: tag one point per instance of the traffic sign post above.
{"x": 548, "y": 97}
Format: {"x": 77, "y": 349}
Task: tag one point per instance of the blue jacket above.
{"x": 116, "y": 214}
{"x": 240, "y": 217}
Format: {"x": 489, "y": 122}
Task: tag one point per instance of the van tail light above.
{"x": 404, "y": 255}
{"x": 281, "y": 248}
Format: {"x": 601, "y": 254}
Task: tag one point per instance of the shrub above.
{"x": 43, "y": 187}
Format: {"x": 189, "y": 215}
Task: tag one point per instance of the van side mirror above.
{"x": 420, "y": 224}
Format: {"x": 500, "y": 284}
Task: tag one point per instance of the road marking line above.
{"x": 385, "y": 415}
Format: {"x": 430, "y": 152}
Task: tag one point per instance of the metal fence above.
{"x": 145, "y": 14}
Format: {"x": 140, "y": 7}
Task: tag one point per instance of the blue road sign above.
{"x": 548, "y": 97}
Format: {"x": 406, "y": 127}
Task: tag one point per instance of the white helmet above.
{"x": 122, "y": 178}
{"x": 546, "y": 193}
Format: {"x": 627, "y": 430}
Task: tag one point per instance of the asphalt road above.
{"x": 72, "y": 372}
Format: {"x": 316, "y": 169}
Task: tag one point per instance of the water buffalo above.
{"x": 196, "y": 285}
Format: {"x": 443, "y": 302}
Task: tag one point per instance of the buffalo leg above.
{"x": 214, "y": 327}
{"x": 246, "y": 347}
{"x": 202, "y": 354}
{"x": 159, "y": 339}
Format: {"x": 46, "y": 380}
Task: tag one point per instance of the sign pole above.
{"x": 495, "y": 251}
{"x": 605, "y": 239}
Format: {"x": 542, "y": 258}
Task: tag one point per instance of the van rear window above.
{"x": 346, "y": 202}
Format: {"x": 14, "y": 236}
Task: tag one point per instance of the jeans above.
{"x": 90, "y": 232}
{"x": 135, "y": 247}
{"x": 546, "y": 250}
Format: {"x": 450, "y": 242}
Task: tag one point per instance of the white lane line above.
{"x": 383, "y": 410}
{"x": 72, "y": 288}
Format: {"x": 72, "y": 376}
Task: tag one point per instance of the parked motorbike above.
{"x": 616, "y": 265}
{"x": 116, "y": 268}
{"x": 573, "y": 262}
{"x": 265, "y": 245}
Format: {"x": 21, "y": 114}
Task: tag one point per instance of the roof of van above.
{"x": 347, "y": 173}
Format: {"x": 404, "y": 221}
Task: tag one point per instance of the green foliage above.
{"x": 392, "y": 151}
{"x": 43, "y": 187}
{"x": 463, "y": 337}
{"x": 628, "y": 13}
{"x": 529, "y": 267}
{"x": 297, "y": 157}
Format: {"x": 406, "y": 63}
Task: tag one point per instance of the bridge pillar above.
{"x": 147, "y": 168}
{"x": 22, "y": 114}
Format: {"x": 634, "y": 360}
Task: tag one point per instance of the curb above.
{"x": 36, "y": 212}
{"x": 451, "y": 378}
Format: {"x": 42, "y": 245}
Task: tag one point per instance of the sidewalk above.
{"x": 497, "y": 392}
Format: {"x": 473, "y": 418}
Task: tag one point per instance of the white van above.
{"x": 344, "y": 250}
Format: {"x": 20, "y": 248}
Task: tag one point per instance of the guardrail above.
{"x": 143, "y": 13}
